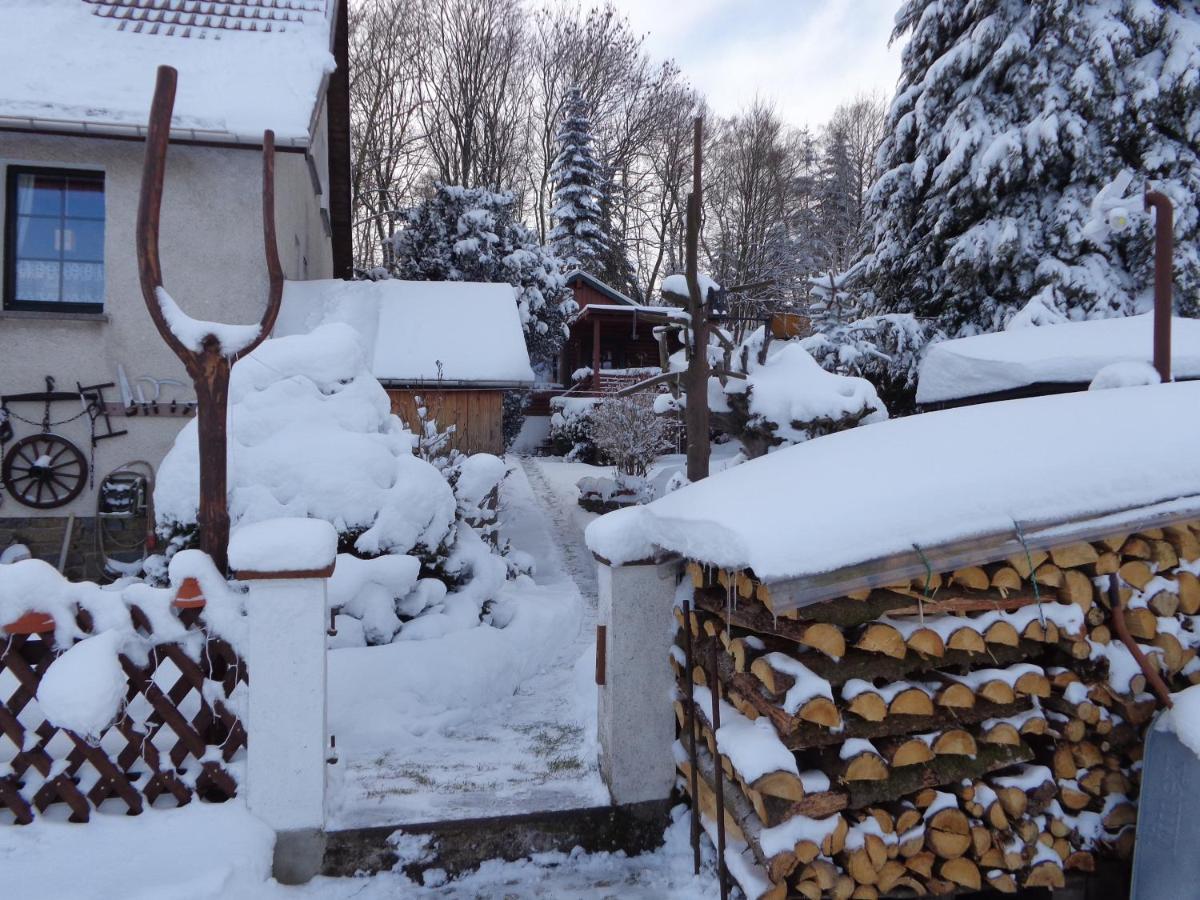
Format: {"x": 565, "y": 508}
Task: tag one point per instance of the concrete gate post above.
{"x": 636, "y": 724}
{"x": 287, "y": 746}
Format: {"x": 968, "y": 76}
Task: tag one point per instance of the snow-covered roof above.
{"x": 457, "y": 332}
{"x": 857, "y": 501}
{"x": 632, "y": 309}
{"x": 89, "y": 65}
{"x": 1071, "y": 353}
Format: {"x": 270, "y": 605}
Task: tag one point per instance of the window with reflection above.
{"x": 54, "y": 240}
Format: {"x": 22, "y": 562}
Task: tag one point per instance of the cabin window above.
{"x": 54, "y": 240}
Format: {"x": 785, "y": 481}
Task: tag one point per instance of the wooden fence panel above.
{"x": 176, "y": 734}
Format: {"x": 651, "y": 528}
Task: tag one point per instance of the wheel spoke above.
{"x": 40, "y": 487}
{"x": 66, "y": 485}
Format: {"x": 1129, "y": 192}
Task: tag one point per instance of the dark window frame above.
{"x": 12, "y": 174}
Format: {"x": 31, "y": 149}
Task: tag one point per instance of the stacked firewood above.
{"x": 976, "y": 729}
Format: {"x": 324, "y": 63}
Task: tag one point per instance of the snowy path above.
{"x": 486, "y": 722}
{"x": 554, "y": 482}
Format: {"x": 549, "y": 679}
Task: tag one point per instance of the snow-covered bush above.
{"x": 885, "y": 350}
{"x": 571, "y": 428}
{"x": 472, "y": 234}
{"x": 512, "y": 415}
{"x": 312, "y": 435}
{"x": 788, "y": 398}
{"x": 628, "y": 434}
{"x": 604, "y": 493}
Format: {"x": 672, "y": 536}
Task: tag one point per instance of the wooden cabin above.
{"x": 610, "y": 335}
{"x": 451, "y": 347}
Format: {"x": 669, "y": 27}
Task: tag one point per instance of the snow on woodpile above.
{"x": 1068, "y": 353}
{"x": 60, "y": 63}
{"x": 964, "y": 729}
{"x": 930, "y": 479}
{"x": 312, "y": 436}
{"x": 419, "y": 331}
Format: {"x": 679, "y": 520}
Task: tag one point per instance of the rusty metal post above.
{"x": 1149, "y": 669}
{"x": 209, "y": 364}
{"x": 690, "y": 723}
{"x": 714, "y": 690}
{"x": 1164, "y": 252}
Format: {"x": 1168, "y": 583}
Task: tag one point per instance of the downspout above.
{"x": 337, "y": 109}
{"x": 1164, "y": 251}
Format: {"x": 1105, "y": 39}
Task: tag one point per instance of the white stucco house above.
{"x": 76, "y": 80}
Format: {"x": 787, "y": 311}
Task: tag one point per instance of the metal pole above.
{"x": 714, "y": 689}
{"x": 697, "y": 373}
{"x": 689, "y": 662}
{"x": 1164, "y": 252}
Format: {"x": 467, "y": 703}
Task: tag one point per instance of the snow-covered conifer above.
{"x": 577, "y": 211}
{"x": 472, "y": 234}
{"x": 1008, "y": 119}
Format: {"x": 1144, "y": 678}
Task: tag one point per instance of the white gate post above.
{"x": 286, "y": 564}
{"x": 636, "y": 723}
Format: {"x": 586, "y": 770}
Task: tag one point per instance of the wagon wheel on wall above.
{"x": 44, "y": 471}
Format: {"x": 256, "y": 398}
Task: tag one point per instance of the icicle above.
{"x": 1037, "y": 596}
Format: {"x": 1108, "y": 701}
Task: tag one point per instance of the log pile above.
{"x": 977, "y": 729}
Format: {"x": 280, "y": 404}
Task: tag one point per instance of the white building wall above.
{"x": 213, "y": 265}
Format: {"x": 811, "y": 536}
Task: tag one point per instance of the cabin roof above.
{"x": 596, "y": 284}
{"x": 89, "y": 66}
{"x": 452, "y": 333}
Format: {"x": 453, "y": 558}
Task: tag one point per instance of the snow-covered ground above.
{"x": 486, "y": 721}
{"x": 221, "y": 852}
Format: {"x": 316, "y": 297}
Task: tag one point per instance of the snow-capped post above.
{"x": 206, "y": 349}
{"x": 696, "y": 414}
{"x": 1164, "y": 254}
{"x": 286, "y": 563}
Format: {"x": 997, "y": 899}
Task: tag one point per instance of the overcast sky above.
{"x": 805, "y": 55}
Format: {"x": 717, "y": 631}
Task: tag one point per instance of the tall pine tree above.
{"x": 1009, "y": 117}
{"x": 578, "y": 235}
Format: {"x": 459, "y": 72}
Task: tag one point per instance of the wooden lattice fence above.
{"x": 174, "y": 739}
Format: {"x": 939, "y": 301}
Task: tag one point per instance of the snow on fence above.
{"x": 113, "y": 699}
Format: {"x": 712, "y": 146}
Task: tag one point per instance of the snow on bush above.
{"x": 571, "y": 428}
{"x": 886, "y": 350}
{"x": 628, "y": 434}
{"x": 312, "y": 435}
{"x": 1127, "y": 373}
{"x": 788, "y": 398}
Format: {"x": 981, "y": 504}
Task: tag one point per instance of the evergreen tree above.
{"x": 471, "y": 234}
{"x": 1008, "y": 119}
{"x": 578, "y": 236}
{"x": 839, "y": 235}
